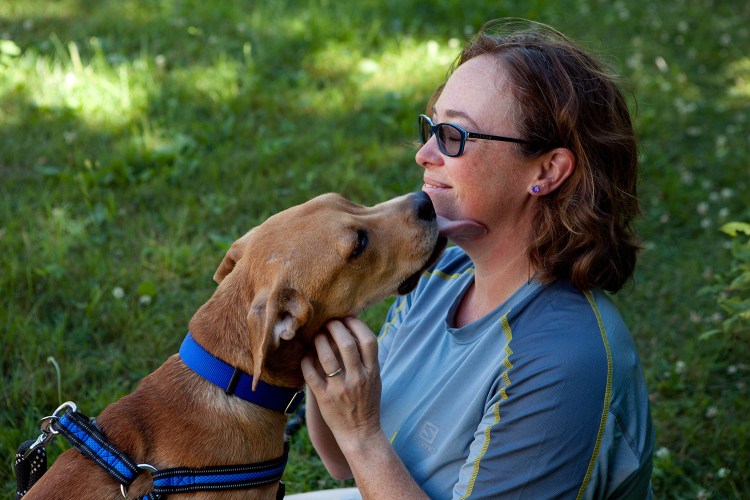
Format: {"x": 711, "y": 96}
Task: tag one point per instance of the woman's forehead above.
{"x": 476, "y": 93}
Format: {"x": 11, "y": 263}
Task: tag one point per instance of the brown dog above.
{"x": 278, "y": 286}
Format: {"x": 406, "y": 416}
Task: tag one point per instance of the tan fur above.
{"x": 278, "y": 285}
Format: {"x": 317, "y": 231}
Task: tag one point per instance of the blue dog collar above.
{"x": 235, "y": 381}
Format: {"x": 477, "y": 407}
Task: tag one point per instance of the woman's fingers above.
{"x": 310, "y": 372}
{"x": 356, "y": 344}
{"x": 327, "y": 358}
{"x": 366, "y": 341}
{"x": 346, "y": 345}
{"x": 349, "y": 351}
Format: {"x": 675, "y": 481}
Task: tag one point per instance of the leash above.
{"x": 85, "y": 436}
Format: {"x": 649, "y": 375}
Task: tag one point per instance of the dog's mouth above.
{"x": 410, "y": 283}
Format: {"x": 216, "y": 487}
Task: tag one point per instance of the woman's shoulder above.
{"x": 577, "y": 332}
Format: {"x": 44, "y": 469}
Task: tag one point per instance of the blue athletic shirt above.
{"x": 543, "y": 397}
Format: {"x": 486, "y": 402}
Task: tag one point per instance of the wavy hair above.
{"x": 566, "y": 98}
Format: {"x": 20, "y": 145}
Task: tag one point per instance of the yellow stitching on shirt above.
{"x": 393, "y": 438}
{"x": 440, "y": 274}
{"x": 607, "y": 395}
{"x": 436, "y": 272}
{"x": 506, "y": 379}
{"x": 495, "y": 408}
{"x": 387, "y": 326}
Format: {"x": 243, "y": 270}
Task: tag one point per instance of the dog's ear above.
{"x": 233, "y": 255}
{"x": 274, "y": 317}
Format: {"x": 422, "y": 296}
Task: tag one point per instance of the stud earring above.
{"x": 535, "y": 188}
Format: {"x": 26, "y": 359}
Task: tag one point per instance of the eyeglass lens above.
{"x": 449, "y": 137}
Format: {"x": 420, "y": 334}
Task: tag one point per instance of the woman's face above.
{"x": 489, "y": 183}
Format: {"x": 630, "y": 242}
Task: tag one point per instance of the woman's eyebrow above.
{"x": 453, "y": 113}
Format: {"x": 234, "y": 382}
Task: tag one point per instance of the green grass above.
{"x": 140, "y": 138}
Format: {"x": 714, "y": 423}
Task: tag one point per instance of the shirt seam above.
{"x": 496, "y": 407}
{"x": 607, "y": 395}
{"x": 388, "y": 325}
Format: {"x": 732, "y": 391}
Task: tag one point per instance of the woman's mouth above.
{"x": 430, "y": 184}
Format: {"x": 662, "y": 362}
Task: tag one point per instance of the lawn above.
{"x": 140, "y": 138}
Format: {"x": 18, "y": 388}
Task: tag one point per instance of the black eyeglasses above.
{"x": 451, "y": 138}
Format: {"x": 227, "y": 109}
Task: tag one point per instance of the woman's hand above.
{"x": 344, "y": 377}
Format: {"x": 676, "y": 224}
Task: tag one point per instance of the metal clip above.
{"x": 48, "y": 432}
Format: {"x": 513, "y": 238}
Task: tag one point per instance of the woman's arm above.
{"x": 324, "y": 442}
{"x": 349, "y": 404}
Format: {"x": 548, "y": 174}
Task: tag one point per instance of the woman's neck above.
{"x": 498, "y": 272}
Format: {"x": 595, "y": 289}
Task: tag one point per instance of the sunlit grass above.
{"x": 99, "y": 95}
{"x": 739, "y": 71}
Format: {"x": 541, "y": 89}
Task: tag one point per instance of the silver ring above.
{"x": 334, "y": 373}
{"x": 124, "y": 490}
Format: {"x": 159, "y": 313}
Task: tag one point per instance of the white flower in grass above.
{"x": 702, "y": 494}
{"x": 722, "y": 473}
{"x": 687, "y": 177}
{"x": 70, "y": 136}
{"x": 118, "y": 292}
{"x": 662, "y": 452}
{"x": 144, "y": 300}
{"x": 712, "y": 412}
{"x": 679, "y": 367}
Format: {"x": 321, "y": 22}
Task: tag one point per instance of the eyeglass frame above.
{"x": 465, "y": 134}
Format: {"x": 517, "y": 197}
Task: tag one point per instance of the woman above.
{"x": 508, "y": 372}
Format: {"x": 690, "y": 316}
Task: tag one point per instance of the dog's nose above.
{"x": 423, "y": 206}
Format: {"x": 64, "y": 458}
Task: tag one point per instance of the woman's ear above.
{"x": 556, "y": 167}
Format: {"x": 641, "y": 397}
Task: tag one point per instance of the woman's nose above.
{"x": 429, "y": 154}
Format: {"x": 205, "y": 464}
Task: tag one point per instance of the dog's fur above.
{"x": 278, "y": 285}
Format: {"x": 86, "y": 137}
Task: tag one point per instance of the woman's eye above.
{"x": 362, "y": 240}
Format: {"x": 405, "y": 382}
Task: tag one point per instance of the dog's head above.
{"x": 327, "y": 258}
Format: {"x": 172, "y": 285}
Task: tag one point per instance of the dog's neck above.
{"x": 221, "y": 327}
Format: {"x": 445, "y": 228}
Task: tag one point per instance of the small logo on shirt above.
{"x": 429, "y": 432}
{"x": 426, "y": 437}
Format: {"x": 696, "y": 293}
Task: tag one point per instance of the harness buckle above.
{"x": 294, "y": 402}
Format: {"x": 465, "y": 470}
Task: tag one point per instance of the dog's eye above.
{"x": 361, "y": 244}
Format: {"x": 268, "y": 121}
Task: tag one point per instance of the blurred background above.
{"x": 138, "y": 139}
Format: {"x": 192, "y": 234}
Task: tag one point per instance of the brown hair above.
{"x": 583, "y": 231}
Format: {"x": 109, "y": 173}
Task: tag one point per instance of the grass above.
{"x": 140, "y": 138}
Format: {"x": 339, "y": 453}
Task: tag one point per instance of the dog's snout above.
{"x": 423, "y": 206}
